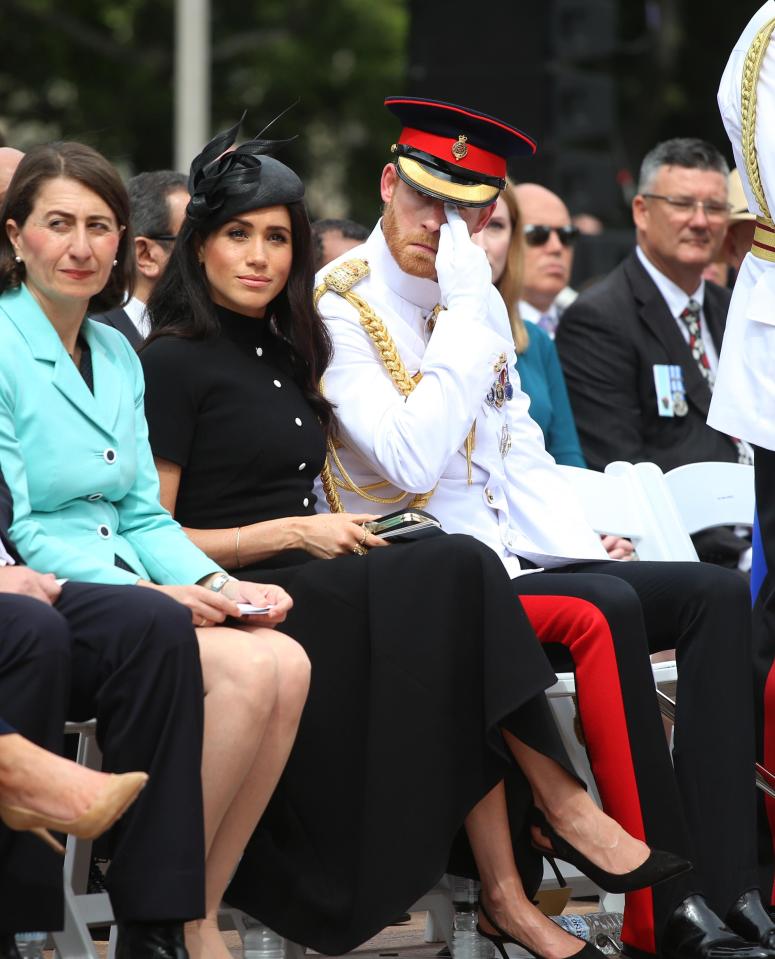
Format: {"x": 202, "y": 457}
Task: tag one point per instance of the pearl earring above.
{"x": 18, "y": 259}
{"x": 115, "y": 263}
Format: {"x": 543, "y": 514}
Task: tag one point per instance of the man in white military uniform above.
{"x": 429, "y": 413}
{"x": 744, "y": 398}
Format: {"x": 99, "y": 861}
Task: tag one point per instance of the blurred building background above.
{"x": 596, "y": 81}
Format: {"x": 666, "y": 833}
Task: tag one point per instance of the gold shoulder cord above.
{"x": 751, "y": 69}
{"x": 340, "y": 281}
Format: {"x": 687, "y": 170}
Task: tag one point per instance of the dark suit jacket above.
{"x": 119, "y": 320}
{"x": 609, "y": 341}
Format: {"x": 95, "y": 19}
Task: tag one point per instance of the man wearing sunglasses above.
{"x": 549, "y": 239}
{"x": 157, "y": 203}
{"x": 640, "y": 349}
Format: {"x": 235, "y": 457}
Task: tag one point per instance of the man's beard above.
{"x": 411, "y": 261}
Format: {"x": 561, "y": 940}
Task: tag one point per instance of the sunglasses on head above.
{"x": 537, "y": 234}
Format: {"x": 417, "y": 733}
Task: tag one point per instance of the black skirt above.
{"x": 419, "y": 654}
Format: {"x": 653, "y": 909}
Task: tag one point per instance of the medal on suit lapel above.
{"x": 680, "y": 405}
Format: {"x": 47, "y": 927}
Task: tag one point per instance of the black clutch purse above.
{"x": 405, "y": 526}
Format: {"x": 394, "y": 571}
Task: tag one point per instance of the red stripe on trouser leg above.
{"x": 584, "y": 631}
{"x": 769, "y": 753}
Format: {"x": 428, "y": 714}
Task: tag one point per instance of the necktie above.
{"x": 548, "y": 322}
{"x": 691, "y": 317}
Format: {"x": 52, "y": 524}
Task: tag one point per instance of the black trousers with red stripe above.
{"x": 763, "y": 660}
{"x": 705, "y": 809}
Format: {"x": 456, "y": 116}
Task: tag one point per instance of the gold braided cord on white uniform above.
{"x": 748, "y": 102}
{"x": 340, "y": 281}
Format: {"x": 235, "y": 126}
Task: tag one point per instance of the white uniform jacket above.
{"x": 518, "y": 502}
{"x": 743, "y": 402}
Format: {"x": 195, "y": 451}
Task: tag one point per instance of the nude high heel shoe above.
{"x": 117, "y": 796}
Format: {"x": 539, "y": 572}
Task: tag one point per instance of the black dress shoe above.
{"x": 150, "y": 940}
{"x": 8, "y": 948}
{"x": 694, "y": 931}
{"x": 749, "y": 919}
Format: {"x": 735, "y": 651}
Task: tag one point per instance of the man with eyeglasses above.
{"x": 640, "y": 348}
{"x": 549, "y": 239}
{"x": 157, "y": 203}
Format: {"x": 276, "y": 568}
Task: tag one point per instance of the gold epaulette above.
{"x": 342, "y": 278}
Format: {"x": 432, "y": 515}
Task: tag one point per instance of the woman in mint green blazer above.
{"x": 74, "y": 450}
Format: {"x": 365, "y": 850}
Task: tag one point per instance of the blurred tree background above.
{"x": 102, "y": 71}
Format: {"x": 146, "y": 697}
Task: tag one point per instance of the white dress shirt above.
{"x": 518, "y": 502}
{"x": 5, "y": 557}
{"x": 744, "y": 397}
{"x": 677, "y": 301}
{"x": 551, "y": 317}
{"x": 137, "y": 313}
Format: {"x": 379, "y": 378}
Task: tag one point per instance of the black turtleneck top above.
{"x": 227, "y": 410}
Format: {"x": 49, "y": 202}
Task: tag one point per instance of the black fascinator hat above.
{"x": 223, "y": 185}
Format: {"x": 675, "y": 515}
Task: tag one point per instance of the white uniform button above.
{"x": 305, "y": 501}
{"x": 301, "y": 466}
{"x": 259, "y": 351}
{"x": 488, "y": 494}
{"x": 93, "y": 497}
{"x": 278, "y": 384}
{"x": 109, "y": 455}
{"x": 297, "y": 421}
{"x": 104, "y": 531}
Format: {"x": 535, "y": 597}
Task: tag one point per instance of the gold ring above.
{"x": 365, "y": 534}
{"x": 359, "y": 550}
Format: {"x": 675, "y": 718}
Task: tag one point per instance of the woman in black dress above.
{"x": 423, "y": 672}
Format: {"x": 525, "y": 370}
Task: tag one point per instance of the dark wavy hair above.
{"x": 81, "y": 163}
{"x": 180, "y": 305}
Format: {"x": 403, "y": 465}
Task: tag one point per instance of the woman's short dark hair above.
{"x": 74, "y": 161}
{"x": 180, "y": 305}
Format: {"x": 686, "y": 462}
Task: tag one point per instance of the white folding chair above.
{"x": 713, "y": 494}
{"x": 633, "y": 500}
{"x": 82, "y": 909}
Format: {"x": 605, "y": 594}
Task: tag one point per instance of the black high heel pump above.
{"x": 501, "y": 938}
{"x": 659, "y": 866}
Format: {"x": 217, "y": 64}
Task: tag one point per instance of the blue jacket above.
{"x": 541, "y": 377}
{"x": 78, "y": 465}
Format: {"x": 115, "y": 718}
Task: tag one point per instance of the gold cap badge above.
{"x": 459, "y": 149}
